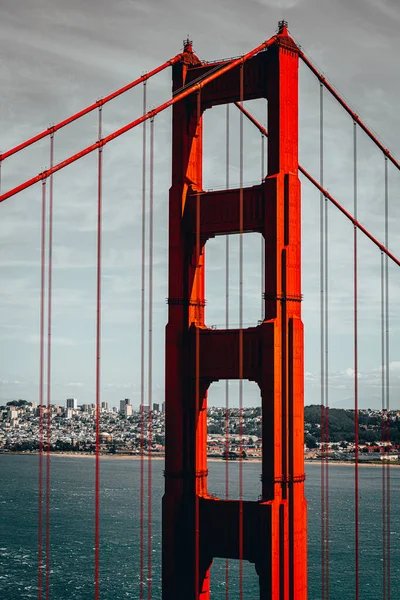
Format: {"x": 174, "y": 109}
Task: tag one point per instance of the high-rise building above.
{"x": 128, "y": 410}
{"x": 72, "y": 403}
{"x": 104, "y": 406}
{"x": 12, "y": 413}
{"x": 156, "y": 407}
{"x": 163, "y": 407}
{"x": 122, "y": 405}
{"x": 144, "y": 408}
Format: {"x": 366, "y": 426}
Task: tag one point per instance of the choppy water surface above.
{"x": 72, "y": 529}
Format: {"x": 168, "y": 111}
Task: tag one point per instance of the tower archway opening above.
{"x": 234, "y": 440}
{"x": 225, "y": 574}
{"x": 223, "y": 281}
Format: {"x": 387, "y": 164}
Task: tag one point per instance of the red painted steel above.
{"x": 51, "y": 130}
{"x": 197, "y": 527}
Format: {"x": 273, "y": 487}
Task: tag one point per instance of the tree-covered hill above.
{"x": 341, "y": 425}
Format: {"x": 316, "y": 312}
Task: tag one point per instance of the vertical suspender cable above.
{"x": 356, "y": 446}
{"x": 241, "y": 335}
{"x": 41, "y": 385}
{"x": 387, "y": 379}
{"x": 98, "y": 365}
{"x": 142, "y": 356}
{"x": 322, "y": 345}
{"x": 227, "y": 325}
{"x": 150, "y": 366}
{"x": 49, "y": 332}
{"x": 197, "y": 362}
{"x": 262, "y": 236}
{"x": 383, "y": 426}
{"x": 326, "y": 387}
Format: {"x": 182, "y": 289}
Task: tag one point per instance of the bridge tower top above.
{"x": 188, "y": 45}
{"x": 283, "y": 28}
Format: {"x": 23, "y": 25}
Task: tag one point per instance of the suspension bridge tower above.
{"x": 271, "y": 530}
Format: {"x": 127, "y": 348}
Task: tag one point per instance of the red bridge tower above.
{"x": 271, "y": 531}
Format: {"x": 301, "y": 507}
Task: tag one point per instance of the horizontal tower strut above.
{"x": 151, "y": 114}
{"x": 347, "y": 108}
{"x": 88, "y": 109}
{"x": 220, "y": 210}
{"x": 327, "y": 195}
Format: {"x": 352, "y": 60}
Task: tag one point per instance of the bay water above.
{"x": 72, "y": 529}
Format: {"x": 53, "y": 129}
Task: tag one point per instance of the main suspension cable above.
{"x": 329, "y": 196}
{"x": 112, "y": 136}
{"x": 51, "y": 130}
{"x": 356, "y": 119}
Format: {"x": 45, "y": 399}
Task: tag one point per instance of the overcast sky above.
{"x": 57, "y": 57}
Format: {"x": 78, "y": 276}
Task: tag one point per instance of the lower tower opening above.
{"x": 226, "y": 579}
{"x": 234, "y": 440}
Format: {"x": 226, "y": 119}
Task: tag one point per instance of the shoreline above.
{"x": 159, "y": 457}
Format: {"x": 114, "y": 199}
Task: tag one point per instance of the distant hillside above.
{"x": 341, "y": 425}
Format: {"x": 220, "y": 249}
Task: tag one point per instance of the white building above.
{"x": 128, "y": 410}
